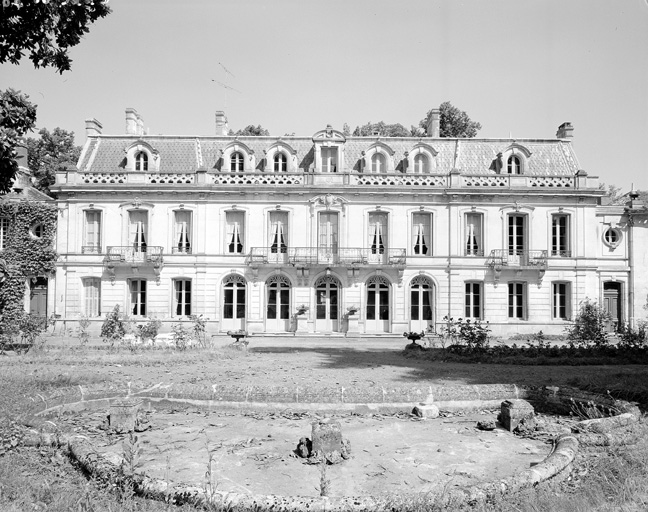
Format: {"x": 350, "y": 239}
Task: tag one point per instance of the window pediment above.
{"x": 329, "y": 135}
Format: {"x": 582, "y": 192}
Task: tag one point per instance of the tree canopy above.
{"x": 382, "y": 129}
{"x": 17, "y": 117}
{"x": 251, "y": 130}
{"x": 453, "y": 123}
{"x": 45, "y": 31}
{"x": 52, "y": 151}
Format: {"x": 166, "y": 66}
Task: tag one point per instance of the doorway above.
{"x": 377, "y": 317}
{"x": 38, "y": 297}
{"x": 327, "y": 290}
{"x": 612, "y": 304}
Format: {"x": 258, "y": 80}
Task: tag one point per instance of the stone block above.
{"x": 123, "y": 413}
{"x": 513, "y": 411}
{"x": 327, "y": 442}
{"x": 426, "y": 411}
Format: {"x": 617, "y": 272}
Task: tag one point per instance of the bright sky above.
{"x": 520, "y": 68}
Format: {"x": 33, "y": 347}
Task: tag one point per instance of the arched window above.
{"x": 280, "y": 163}
{"x": 378, "y": 163}
{"x": 141, "y": 161}
{"x": 234, "y": 297}
{"x": 514, "y": 165}
{"x": 421, "y": 164}
{"x": 278, "y": 298}
{"x": 377, "y": 298}
{"x": 420, "y": 299}
{"x": 237, "y": 162}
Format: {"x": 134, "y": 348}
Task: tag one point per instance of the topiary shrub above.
{"x": 114, "y": 327}
{"x": 589, "y": 327}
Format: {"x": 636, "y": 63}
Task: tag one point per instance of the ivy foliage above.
{"x": 25, "y": 255}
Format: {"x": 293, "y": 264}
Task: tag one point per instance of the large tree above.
{"x": 452, "y": 122}
{"x": 46, "y": 30}
{"x": 255, "y": 131}
{"x": 17, "y": 117}
{"x": 52, "y": 151}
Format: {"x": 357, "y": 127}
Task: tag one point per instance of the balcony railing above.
{"x": 337, "y": 256}
{"x": 91, "y": 249}
{"x": 129, "y": 255}
{"x": 517, "y": 259}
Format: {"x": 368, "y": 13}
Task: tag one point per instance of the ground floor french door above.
{"x": 38, "y": 297}
{"x": 233, "y": 303}
{"x": 421, "y": 316}
{"x": 327, "y": 292}
{"x": 377, "y": 310}
{"x": 278, "y": 304}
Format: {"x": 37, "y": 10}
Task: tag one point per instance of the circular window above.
{"x": 612, "y": 237}
{"x": 37, "y": 230}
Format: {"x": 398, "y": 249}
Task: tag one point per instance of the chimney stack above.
{"x": 433, "y": 125}
{"x": 134, "y": 122}
{"x": 221, "y": 123}
{"x": 93, "y": 127}
{"x": 565, "y": 131}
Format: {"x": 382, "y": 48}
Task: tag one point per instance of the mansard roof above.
{"x": 184, "y": 154}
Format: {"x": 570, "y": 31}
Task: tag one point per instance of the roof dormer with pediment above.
{"x": 231, "y": 152}
{"x": 421, "y": 158}
{"x": 280, "y": 149}
{"x": 141, "y": 156}
{"x": 378, "y": 157}
{"x": 329, "y": 150}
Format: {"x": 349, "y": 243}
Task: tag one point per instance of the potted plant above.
{"x": 414, "y": 336}
{"x": 302, "y": 309}
{"x": 352, "y": 310}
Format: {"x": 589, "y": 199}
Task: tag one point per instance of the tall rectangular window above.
{"x": 92, "y": 297}
{"x": 138, "y": 297}
{"x": 182, "y": 297}
{"x": 138, "y": 230}
{"x": 4, "y": 232}
{"x": 560, "y": 235}
{"x": 278, "y": 234}
{"x": 422, "y": 234}
{"x": 516, "y": 234}
{"x": 473, "y": 300}
{"x": 182, "y": 232}
{"x": 561, "y": 300}
{"x": 92, "y": 232}
{"x": 328, "y": 231}
{"x": 329, "y": 159}
{"x": 235, "y": 232}
{"x": 473, "y": 234}
{"x": 378, "y": 239}
{"x": 517, "y": 300}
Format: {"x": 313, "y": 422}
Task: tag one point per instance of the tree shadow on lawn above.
{"x": 393, "y": 367}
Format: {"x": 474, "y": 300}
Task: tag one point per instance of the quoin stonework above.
{"x": 335, "y": 234}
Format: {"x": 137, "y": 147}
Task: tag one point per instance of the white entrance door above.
{"x": 278, "y": 304}
{"x": 327, "y": 290}
{"x": 420, "y": 304}
{"x": 233, "y": 303}
{"x": 377, "y": 313}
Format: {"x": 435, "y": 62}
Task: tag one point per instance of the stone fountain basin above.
{"x": 252, "y": 453}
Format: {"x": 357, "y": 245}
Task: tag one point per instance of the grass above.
{"x": 36, "y": 479}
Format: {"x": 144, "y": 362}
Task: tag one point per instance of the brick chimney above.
{"x": 433, "y": 125}
{"x": 93, "y": 127}
{"x": 134, "y": 122}
{"x": 565, "y": 131}
{"x": 221, "y": 123}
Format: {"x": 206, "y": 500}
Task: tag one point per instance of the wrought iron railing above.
{"x": 129, "y": 255}
{"x": 517, "y": 259}
{"x": 338, "y": 256}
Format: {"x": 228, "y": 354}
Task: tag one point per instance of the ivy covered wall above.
{"x": 28, "y": 252}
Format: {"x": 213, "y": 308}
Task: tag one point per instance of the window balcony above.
{"x": 91, "y": 249}
{"x": 134, "y": 256}
{"x": 149, "y": 256}
{"x": 501, "y": 259}
{"x": 322, "y": 256}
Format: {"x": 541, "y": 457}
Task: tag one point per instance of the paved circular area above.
{"x": 252, "y": 453}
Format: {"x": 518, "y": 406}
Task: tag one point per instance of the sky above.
{"x": 520, "y": 68}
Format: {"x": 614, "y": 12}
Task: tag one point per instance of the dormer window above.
{"x": 141, "y": 161}
{"x": 280, "y": 163}
{"x": 421, "y": 164}
{"x": 236, "y": 162}
{"x": 514, "y": 165}
{"x": 378, "y": 163}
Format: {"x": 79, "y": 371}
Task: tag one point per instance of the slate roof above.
{"x": 182, "y": 154}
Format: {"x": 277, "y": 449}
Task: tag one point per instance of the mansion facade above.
{"x": 337, "y": 234}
